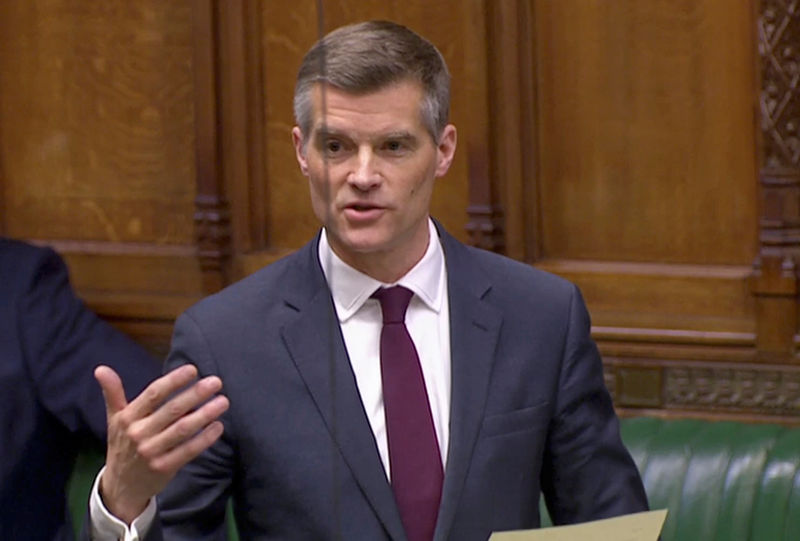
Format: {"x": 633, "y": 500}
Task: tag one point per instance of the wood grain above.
{"x": 646, "y": 131}
{"x": 96, "y": 120}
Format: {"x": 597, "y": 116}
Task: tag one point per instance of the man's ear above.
{"x": 445, "y": 150}
{"x": 299, "y": 149}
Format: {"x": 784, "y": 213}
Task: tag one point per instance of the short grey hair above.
{"x": 366, "y": 57}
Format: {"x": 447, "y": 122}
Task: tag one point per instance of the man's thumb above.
{"x": 113, "y": 393}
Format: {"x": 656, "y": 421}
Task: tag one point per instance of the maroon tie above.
{"x": 415, "y": 462}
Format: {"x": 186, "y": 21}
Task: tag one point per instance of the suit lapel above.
{"x": 474, "y": 330}
{"x": 316, "y": 346}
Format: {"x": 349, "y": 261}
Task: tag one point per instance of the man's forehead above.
{"x": 322, "y": 92}
{"x": 390, "y": 108}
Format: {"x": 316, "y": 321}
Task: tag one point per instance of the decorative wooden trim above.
{"x": 501, "y": 140}
{"x": 212, "y": 215}
{"x": 706, "y": 415}
{"x": 773, "y": 391}
{"x": 674, "y": 336}
{"x": 775, "y": 274}
{"x": 241, "y": 106}
{"x": 229, "y": 112}
{"x": 731, "y": 388}
{"x": 212, "y": 230}
{"x": 779, "y": 49}
{"x": 485, "y": 224}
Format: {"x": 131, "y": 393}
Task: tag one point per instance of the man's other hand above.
{"x": 151, "y": 438}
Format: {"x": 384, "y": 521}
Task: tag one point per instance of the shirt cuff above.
{"x": 107, "y": 527}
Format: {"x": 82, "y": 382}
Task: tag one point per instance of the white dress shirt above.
{"x": 428, "y": 323}
{"x": 361, "y": 321}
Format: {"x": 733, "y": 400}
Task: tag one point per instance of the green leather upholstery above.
{"x": 721, "y": 481}
{"x": 86, "y": 467}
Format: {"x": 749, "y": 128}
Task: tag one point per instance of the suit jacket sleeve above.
{"x": 63, "y": 341}
{"x": 192, "y": 506}
{"x": 587, "y": 472}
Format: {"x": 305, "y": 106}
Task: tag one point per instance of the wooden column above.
{"x": 212, "y": 212}
{"x": 500, "y": 138}
{"x": 775, "y": 276}
{"x": 486, "y": 224}
{"x": 232, "y": 196}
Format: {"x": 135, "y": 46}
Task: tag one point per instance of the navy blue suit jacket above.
{"x": 51, "y": 405}
{"x": 529, "y": 411}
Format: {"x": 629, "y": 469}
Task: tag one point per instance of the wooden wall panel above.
{"x": 647, "y": 155}
{"x": 97, "y": 120}
{"x": 648, "y": 196}
{"x": 646, "y": 129}
{"x": 614, "y": 142}
{"x": 97, "y": 150}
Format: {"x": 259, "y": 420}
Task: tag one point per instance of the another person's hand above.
{"x": 149, "y": 439}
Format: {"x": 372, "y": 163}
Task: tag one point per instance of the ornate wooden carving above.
{"x": 485, "y": 226}
{"x": 775, "y": 275}
{"x": 487, "y": 87}
{"x": 754, "y": 390}
{"x": 212, "y": 213}
{"x": 710, "y": 387}
{"x": 212, "y": 228}
{"x": 779, "y": 47}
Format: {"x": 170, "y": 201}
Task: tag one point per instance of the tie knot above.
{"x": 394, "y": 302}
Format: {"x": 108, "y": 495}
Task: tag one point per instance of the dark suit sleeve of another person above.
{"x": 64, "y": 342}
{"x": 52, "y": 406}
{"x": 587, "y": 473}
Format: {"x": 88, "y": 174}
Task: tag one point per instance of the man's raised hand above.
{"x": 151, "y": 438}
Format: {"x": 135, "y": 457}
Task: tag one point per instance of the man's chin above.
{"x": 360, "y": 243}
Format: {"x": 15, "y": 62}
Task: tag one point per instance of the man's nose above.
{"x": 364, "y": 175}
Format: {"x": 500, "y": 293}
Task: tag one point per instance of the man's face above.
{"x": 371, "y": 166}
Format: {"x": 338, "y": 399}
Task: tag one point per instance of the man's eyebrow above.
{"x": 322, "y": 132}
{"x": 325, "y": 132}
{"x": 397, "y": 135}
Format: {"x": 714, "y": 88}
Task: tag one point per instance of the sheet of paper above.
{"x": 644, "y": 526}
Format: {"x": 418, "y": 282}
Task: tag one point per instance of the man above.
{"x": 343, "y": 419}
{"x": 50, "y": 344}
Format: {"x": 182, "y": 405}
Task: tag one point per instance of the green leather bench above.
{"x": 721, "y": 481}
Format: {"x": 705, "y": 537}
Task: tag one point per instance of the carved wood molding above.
{"x": 779, "y": 53}
{"x": 746, "y": 389}
{"x": 212, "y": 229}
{"x": 779, "y": 49}
{"x": 212, "y": 212}
{"x": 775, "y": 274}
{"x": 485, "y": 227}
{"x": 755, "y": 390}
{"x": 491, "y": 146}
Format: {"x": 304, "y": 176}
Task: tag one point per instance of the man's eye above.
{"x": 394, "y": 146}
{"x": 332, "y": 147}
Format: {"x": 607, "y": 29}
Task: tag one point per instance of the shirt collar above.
{"x": 350, "y": 288}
